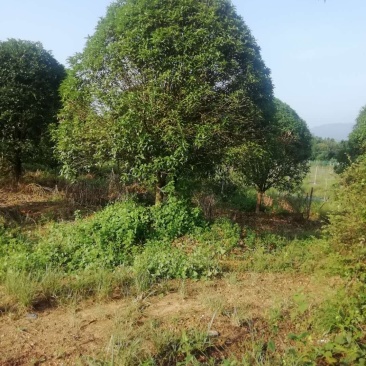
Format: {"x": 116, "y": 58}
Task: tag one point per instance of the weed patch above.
{"x": 270, "y": 253}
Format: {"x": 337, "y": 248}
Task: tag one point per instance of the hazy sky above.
{"x": 315, "y": 50}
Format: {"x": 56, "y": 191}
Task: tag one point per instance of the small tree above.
{"x": 29, "y": 81}
{"x": 348, "y": 219}
{"x": 357, "y": 138}
{"x": 281, "y": 160}
{"x": 161, "y": 89}
{"x": 355, "y": 146}
{"x": 324, "y": 149}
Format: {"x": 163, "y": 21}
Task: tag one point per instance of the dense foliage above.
{"x": 175, "y": 94}
{"x": 161, "y": 89}
{"x": 325, "y": 149}
{"x": 355, "y": 146}
{"x": 357, "y": 137}
{"x": 348, "y": 222}
{"x": 29, "y": 101}
{"x": 281, "y": 160}
{"x": 121, "y": 234}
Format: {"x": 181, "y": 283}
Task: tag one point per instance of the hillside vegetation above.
{"x": 159, "y": 206}
{"x": 138, "y": 284}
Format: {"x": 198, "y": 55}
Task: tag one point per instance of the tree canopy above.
{"x": 355, "y": 146}
{"x": 29, "y": 81}
{"x": 281, "y": 160}
{"x": 348, "y": 219}
{"x": 325, "y": 149}
{"x": 357, "y": 137}
{"x": 162, "y": 89}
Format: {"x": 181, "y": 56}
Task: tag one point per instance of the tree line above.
{"x": 163, "y": 92}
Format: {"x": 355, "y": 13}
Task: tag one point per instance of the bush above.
{"x": 193, "y": 256}
{"x": 109, "y": 238}
{"x": 221, "y": 237}
{"x": 161, "y": 260}
{"x": 348, "y": 222}
{"x": 242, "y": 198}
{"x": 15, "y": 249}
{"x": 125, "y": 233}
{"x": 277, "y": 254}
{"x": 175, "y": 218}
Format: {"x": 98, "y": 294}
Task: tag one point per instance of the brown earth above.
{"x": 234, "y": 306}
{"x": 29, "y": 204}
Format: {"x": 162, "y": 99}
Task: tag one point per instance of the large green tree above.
{"x": 324, "y": 149}
{"x": 348, "y": 219}
{"x": 355, "y": 146}
{"x": 29, "y": 100}
{"x": 280, "y": 160}
{"x": 161, "y": 89}
{"x": 357, "y": 137}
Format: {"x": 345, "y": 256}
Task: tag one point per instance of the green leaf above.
{"x": 161, "y": 91}
{"x": 271, "y": 345}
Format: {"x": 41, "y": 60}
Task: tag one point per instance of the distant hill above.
{"x": 336, "y": 131}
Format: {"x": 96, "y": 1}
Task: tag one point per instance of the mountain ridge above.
{"x": 336, "y": 131}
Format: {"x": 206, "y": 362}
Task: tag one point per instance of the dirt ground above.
{"x": 232, "y": 306}
{"x": 78, "y": 334}
{"x": 30, "y": 204}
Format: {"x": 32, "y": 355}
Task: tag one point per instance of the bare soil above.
{"x": 234, "y": 306}
{"x": 29, "y": 204}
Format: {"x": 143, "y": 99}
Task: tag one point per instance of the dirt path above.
{"x": 67, "y": 335}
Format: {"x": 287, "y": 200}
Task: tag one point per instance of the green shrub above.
{"x": 109, "y": 238}
{"x": 194, "y": 256}
{"x": 115, "y": 235}
{"x": 175, "y": 218}
{"x": 348, "y": 222}
{"x": 241, "y": 198}
{"x": 267, "y": 241}
{"x": 161, "y": 260}
{"x": 221, "y": 237}
{"x": 304, "y": 256}
{"x": 15, "y": 249}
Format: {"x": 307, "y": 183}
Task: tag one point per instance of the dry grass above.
{"x": 33, "y": 203}
{"x": 235, "y": 306}
{"x": 246, "y": 309}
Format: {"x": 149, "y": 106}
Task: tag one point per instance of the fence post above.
{"x": 309, "y": 203}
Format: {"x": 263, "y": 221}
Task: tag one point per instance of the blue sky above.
{"x": 315, "y": 50}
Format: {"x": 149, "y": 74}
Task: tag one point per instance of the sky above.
{"x": 316, "y": 50}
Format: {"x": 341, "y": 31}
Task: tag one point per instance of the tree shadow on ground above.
{"x": 31, "y": 213}
{"x": 289, "y": 225}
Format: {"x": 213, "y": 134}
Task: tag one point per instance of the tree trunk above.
{"x": 160, "y": 183}
{"x": 259, "y": 202}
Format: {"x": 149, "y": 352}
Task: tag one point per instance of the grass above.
{"x": 272, "y": 290}
{"x": 27, "y": 290}
{"x": 253, "y": 312}
{"x": 321, "y": 178}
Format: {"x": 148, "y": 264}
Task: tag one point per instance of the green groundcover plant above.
{"x": 125, "y": 233}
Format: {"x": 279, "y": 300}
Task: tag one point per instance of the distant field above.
{"x": 321, "y": 178}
